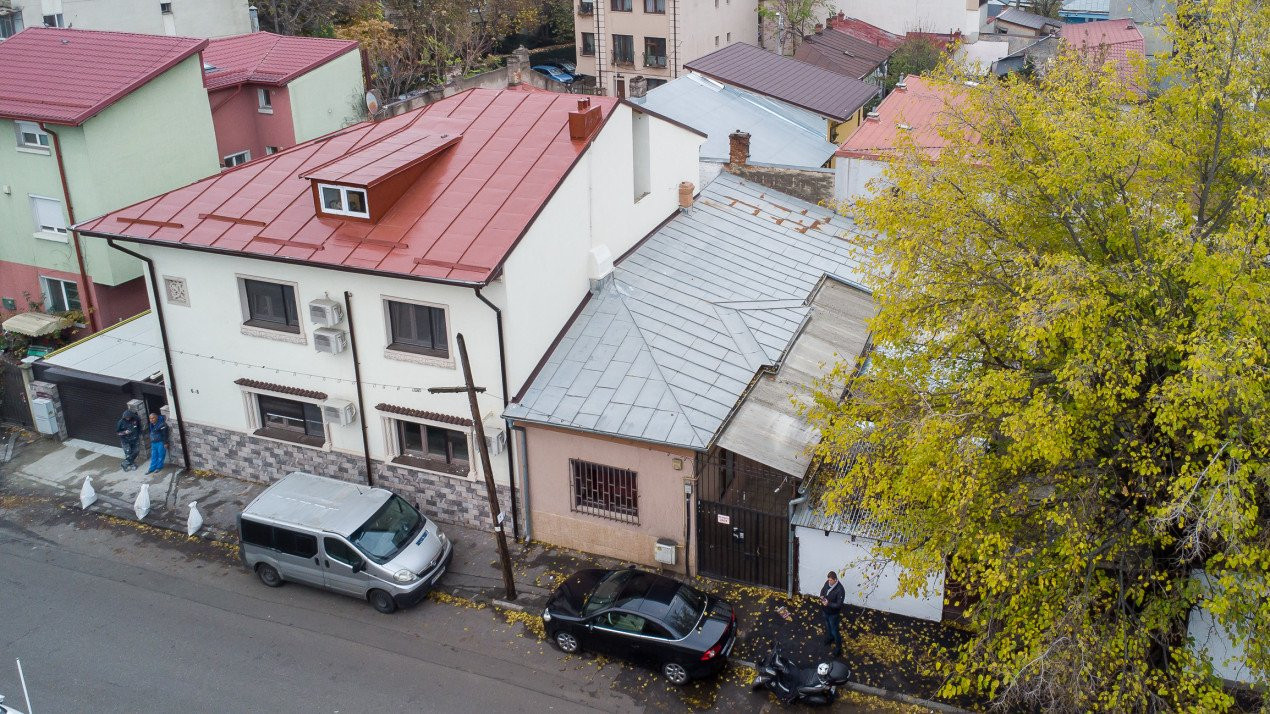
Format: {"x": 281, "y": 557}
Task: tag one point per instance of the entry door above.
{"x": 338, "y": 558}
{"x": 91, "y": 414}
{"x": 621, "y": 89}
{"x": 743, "y": 544}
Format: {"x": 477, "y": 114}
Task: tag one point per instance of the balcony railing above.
{"x": 651, "y": 60}
{"x": 586, "y": 8}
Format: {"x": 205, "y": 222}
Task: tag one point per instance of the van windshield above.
{"x": 388, "y": 531}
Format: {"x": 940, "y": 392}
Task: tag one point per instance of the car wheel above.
{"x": 269, "y": 575}
{"x": 382, "y": 601}
{"x": 675, "y": 672}
{"x": 567, "y": 643}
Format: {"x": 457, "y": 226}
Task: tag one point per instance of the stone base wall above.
{"x": 251, "y": 458}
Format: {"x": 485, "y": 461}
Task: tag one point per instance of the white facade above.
{"x": 869, "y": 581}
{"x": 901, "y": 16}
{"x": 188, "y": 18}
{"x": 852, "y": 176}
{"x": 1214, "y": 640}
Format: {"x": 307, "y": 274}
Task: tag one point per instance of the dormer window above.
{"x": 343, "y": 201}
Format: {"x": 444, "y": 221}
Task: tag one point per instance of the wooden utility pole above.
{"x": 495, "y": 510}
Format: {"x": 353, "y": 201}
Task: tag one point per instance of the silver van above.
{"x": 361, "y": 541}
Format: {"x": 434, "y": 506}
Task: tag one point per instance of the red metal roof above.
{"x": 266, "y": 58}
{"x": 381, "y": 160}
{"x": 66, "y": 76}
{"x": 865, "y": 31}
{"x": 912, "y": 111}
{"x": 456, "y": 223}
{"x": 1107, "y": 41}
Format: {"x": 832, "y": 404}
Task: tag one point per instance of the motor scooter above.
{"x": 791, "y": 683}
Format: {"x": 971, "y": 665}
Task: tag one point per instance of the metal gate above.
{"x": 13, "y": 401}
{"x": 91, "y": 414}
{"x": 743, "y": 544}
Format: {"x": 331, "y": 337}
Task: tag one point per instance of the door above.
{"x": 742, "y": 544}
{"x": 13, "y": 402}
{"x": 297, "y": 556}
{"x": 338, "y": 559}
{"x": 621, "y": 88}
{"x": 90, "y": 413}
{"x": 609, "y": 630}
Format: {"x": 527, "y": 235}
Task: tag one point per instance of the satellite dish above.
{"x": 372, "y": 103}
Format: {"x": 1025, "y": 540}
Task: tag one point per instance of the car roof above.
{"x": 648, "y": 593}
{"x": 326, "y": 504}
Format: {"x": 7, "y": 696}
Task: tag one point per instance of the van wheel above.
{"x": 381, "y": 601}
{"x": 269, "y": 575}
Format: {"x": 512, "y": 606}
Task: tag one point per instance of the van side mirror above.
{"x": 359, "y": 566}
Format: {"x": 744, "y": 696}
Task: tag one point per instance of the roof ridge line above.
{"x": 644, "y": 339}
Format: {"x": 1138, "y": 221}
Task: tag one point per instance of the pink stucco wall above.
{"x": 18, "y": 281}
{"x": 660, "y": 488}
{"x": 240, "y": 126}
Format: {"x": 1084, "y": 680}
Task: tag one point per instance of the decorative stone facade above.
{"x": 252, "y": 458}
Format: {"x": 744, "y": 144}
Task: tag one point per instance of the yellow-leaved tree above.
{"x": 1068, "y": 407}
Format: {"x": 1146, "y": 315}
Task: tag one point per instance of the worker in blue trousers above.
{"x": 159, "y": 433}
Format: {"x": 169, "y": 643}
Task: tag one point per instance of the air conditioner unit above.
{"x": 325, "y": 311}
{"x": 495, "y": 438}
{"x": 338, "y": 411}
{"x": 664, "y": 551}
{"x": 327, "y": 340}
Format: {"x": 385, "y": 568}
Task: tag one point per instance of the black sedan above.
{"x": 642, "y": 616}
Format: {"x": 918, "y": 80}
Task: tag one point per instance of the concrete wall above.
{"x": 241, "y": 126}
{"x": 659, "y": 484}
{"x": 191, "y": 18}
{"x": 812, "y": 185}
{"x": 868, "y": 582}
{"x": 328, "y": 98}
{"x": 852, "y": 176}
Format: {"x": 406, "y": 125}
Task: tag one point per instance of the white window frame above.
{"x": 53, "y": 233}
{"x": 22, "y": 128}
{"x": 238, "y": 159}
{"x": 392, "y": 447}
{"x": 271, "y": 150}
{"x": 58, "y": 19}
{"x": 415, "y": 357}
{"x": 252, "y": 404}
{"x": 343, "y": 210}
{"x": 264, "y": 100}
{"x": 47, "y": 285}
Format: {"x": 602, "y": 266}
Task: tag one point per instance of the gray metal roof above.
{"x": 840, "y": 513}
{"x": 1023, "y": 18}
{"x": 318, "y": 502}
{"x": 779, "y": 133}
{"x": 670, "y": 343}
{"x": 131, "y": 350}
{"x": 767, "y": 427}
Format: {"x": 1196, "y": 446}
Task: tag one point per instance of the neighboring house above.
{"x": 982, "y": 55}
{"x": 1086, "y": 10}
{"x": 133, "y": 122}
{"x": 846, "y": 54}
{"x": 1114, "y": 41}
{"x": 838, "y": 100}
{"x": 779, "y": 133}
{"x": 660, "y": 423}
{"x": 190, "y": 18}
{"x": 915, "y": 111}
{"x": 932, "y": 16}
{"x": 1152, "y": 18}
{"x": 874, "y": 35}
{"x": 475, "y": 215}
{"x": 1013, "y": 21}
{"x": 1027, "y": 53}
{"x": 270, "y": 92}
{"x": 653, "y": 39}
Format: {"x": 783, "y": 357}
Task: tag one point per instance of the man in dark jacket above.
{"x": 159, "y": 432}
{"x": 129, "y": 429}
{"x": 831, "y": 596}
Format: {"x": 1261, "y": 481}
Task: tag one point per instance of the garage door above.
{"x": 91, "y": 413}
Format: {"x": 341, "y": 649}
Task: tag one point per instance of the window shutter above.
{"x": 48, "y": 214}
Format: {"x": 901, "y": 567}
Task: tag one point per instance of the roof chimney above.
{"x": 738, "y": 148}
{"x": 686, "y": 190}
{"x": 584, "y": 121}
{"x": 819, "y": 28}
{"x": 901, "y": 85}
{"x": 254, "y": 14}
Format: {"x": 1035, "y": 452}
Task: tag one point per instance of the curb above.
{"x": 905, "y": 698}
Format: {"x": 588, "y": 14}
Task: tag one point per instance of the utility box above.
{"x": 664, "y": 551}
{"x": 45, "y": 415}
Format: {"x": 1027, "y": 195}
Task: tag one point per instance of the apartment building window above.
{"x": 55, "y": 20}
{"x": 624, "y": 49}
{"x": 31, "y": 136}
{"x": 588, "y": 44}
{"x": 655, "y": 6}
{"x": 165, "y": 8}
{"x": 10, "y": 23}
{"x": 605, "y": 491}
{"x": 59, "y": 295}
{"x": 48, "y": 216}
{"x": 269, "y": 305}
{"x": 716, "y": 40}
{"x": 264, "y": 101}
{"x": 653, "y": 83}
{"x": 271, "y": 150}
{"x": 620, "y": 5}
{"x": 238, "y": 159}
{"x": 417, "y": 328}
{"x": 729, "y": 37}
{"x": 654, "y": 51}
{"x": 343, "y": 201}
{"x": 290, "y": 420}
{"x": 433, "y": 447}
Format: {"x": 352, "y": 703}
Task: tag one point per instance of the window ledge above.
{"x": 35, "y": 150}
{"x": 265, "y": 110}
{"x": 416, "y": 358}
{"x": 295, "y": 338}
{"x": 280, "y": 436}
{"x": 417, "y": 464}
{"x": 53, "y": 237}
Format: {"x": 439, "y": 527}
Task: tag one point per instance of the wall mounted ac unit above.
{"x": 339, "y": 411}
{"x": 495, "y": 437}
{"x": 327, "y": 340}
{"x": 325, "y": 311}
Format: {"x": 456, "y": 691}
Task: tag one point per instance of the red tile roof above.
{"x": 66, "y": 76}
{"x": 266, "y": 58}
{"x": 1107, "y": 41}
{"x": 456, "y": 223}
{"x": 913, "y": 111}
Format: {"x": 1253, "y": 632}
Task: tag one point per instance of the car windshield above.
{"x": 607, "y": 591}
{"x": 685, "y": 610}
{"x": 388, "y": 531}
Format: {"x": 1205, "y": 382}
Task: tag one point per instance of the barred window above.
{"x": 604, "y": 491}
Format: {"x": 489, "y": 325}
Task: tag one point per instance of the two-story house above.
{"x": 312, "y": 297}
{"x": 269, "y": 92}
{"x": 133, "y": 122}
{"x": 618, "y": 40}
{"x": 192, "y": 18}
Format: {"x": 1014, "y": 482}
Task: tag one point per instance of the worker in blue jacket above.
{"x": 159, "y": 434}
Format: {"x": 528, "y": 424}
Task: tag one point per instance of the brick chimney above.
{"x": 819, "y": 28}
{"x": 738, "y": 148}
{"x": 636, "y": 87}
{"x": 686, "y": 190}
{"x": 584, "y": 121}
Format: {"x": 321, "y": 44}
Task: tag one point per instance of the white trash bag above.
{"x": 87, "y": 494}
{"x": 141, "y": 506}
{"x": 195, "y": 521}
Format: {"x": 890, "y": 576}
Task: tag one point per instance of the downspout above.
{"x": 524, "y": 469}
{"x": 167, "y": 352}
{"x": 502, "y": 366}
{"x": 87, "y": 297}
{"x": 357, "y": 378}
{"x": 789, "y": 538}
